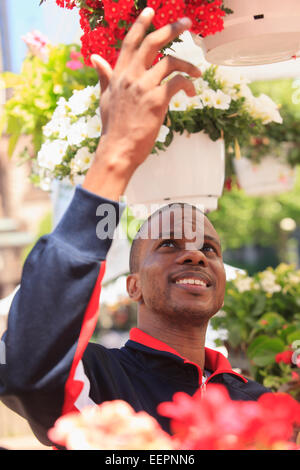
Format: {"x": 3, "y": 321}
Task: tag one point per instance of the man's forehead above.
{"x": 178, "y": 221}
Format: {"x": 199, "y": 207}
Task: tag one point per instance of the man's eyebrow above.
{"x": 213, "y": 239}
{"x": 172, "y": 235}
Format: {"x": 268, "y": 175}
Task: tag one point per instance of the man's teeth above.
{"x": 191, "y": 281}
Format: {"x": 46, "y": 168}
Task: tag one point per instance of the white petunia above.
{"x": 229, "y": 78}
{"x": 51, "y": 154}
{"x": 208, "y": 98}
{"x": 81, "y": 100}
{"x": 60, "y": 127}
{"x": 93, "y": 127}
{"x": 200, "y": 85}
{"x": 264, "y": 108}
{"x": 163, "y": 132}
{"x": 82, "y": 161}
{"x": 77, "y": 132}
{"x": 180, "y": 102}
{"x": 222, "y": 101}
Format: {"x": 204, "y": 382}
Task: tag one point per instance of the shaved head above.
{"x": 147, "y": 230}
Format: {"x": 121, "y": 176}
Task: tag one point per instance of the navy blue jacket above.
{"x": 51, "y": 367}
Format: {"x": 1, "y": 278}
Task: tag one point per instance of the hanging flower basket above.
{"x": 188, "y": 158}
{"x": 269, "y": 177}
{"x": 257, "y": 32}
{"x": 190, "y": 170}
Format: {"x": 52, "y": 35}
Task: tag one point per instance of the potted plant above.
{"x": 48, "y": 72}
{"x": 223, "y": 112}
{"x": 105, "y": 24}
{"x": 268, "y": 162}
{"x": 257, "y": 32}
{"x": 261, "y": 316}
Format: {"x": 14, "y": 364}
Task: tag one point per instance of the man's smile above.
{"x": 193, "y": 281}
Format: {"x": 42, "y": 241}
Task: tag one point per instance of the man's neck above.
{"x": 189, "y": 341}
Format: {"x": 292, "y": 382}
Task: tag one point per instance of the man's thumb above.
{"x": 104, "y": 70}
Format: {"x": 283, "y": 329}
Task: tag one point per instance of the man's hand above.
{"x": 134, "y": 103}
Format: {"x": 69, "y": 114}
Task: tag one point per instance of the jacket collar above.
{"x": 215, "y": 362}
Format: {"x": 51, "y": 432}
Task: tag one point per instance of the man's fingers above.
{"x": 165, "y": 67}
{"x": 155, "y": 41}
{"x": 174, "y": 85}
{"x": 135, "y": 36}
{"x": 104, "y": 70}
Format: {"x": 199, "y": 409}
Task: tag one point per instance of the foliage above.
{"x": 256, "y": 219}
{"x": 261, "y": 315}
{"x": 36, "y": 91}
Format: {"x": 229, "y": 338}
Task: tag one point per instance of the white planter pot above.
{"x": 271, "y": 176}
{"x": 258, "y": 32}
{"x": 191, "y": 170}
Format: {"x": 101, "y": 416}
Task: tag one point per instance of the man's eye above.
{"x": 169, "y": 243}
{"x": 209, "y": 248}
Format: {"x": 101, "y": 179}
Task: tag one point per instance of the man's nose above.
{"x": 194, "y": 257}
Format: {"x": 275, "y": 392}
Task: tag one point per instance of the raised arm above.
{"x": 54, "y": 313}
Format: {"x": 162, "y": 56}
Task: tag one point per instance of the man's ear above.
{"x": 134, "y": 287}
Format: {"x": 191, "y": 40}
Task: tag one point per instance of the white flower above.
{"x": 268, "y": 282}
{"x": 243, "y": 284}
{"x": 51, "y": 154}
{"x": 61, "y": 110}
{"x": 179, "y": 102}
{"x": 163, "y": 132}
{"x": 222, "y": 101}
{"x": 57, "y": 126}
{"x": 77, "y": 132}
{"x": 229, "y": 78}
{"x": 208, "y": 98}
{"x": 81, "y": 100}
{"x": 93, "y": 127}
{"x": 200, "y": 85}
{"x": 188, "y": 51}
{"x": 82, "y": 161}
{"x": 264, "y": 108}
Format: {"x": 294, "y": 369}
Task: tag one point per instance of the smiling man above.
{"x": 177, "y": 274}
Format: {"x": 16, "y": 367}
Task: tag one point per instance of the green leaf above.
{"x": 259, "y": 305}
{"x": 293, "y": 337}
{"x": 273, "y": 321}
{"x": 263, "y": 350}
{"x": 13, "y": 140}
{"x": 10, "y": 80}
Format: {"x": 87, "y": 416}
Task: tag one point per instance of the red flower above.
{"x": 285, "y": 356}
{"x": 118, "y": 15}
{"x": 70, "y": 4}
{"x": 215, "y": 422}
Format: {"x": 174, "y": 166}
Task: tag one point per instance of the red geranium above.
{"x": 285, "y": 356}
{"x": 106, "y": 22}
{"x": 212, "y": 421}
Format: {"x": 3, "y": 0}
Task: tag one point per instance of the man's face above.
{"x": 181, "y": 272}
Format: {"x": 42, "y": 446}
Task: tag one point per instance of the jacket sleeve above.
{"x": 54, "y": 313}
